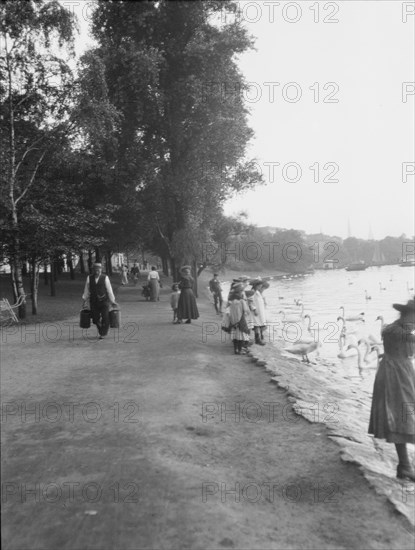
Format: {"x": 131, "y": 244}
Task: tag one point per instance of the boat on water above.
{"x": 378, "y": 257}
{"x": 409, "y": 263}
{"x": 357, "y": 266}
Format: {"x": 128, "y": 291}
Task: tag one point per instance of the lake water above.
{"x": 332, "y": 384}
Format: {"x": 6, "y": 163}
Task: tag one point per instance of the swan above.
{"x": 292, "y": 318}
{"x": 371, "y": 338}
{"x": 372, "y": 351}
{"x": 279, "y": 296}
{"x": 345, "y": 349}
{"x": 367, "y": 296}
{"x": 373, "y": 362}
{"x": 304, "y": 350}
{"x": 359, "y": 317}
{"x": 409, "y": 289}
{"x": 309, "y": 339}
{"x": 345, "y": 330}
{"x": 382, "y": 287}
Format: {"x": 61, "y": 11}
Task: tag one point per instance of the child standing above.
{"x": 174, "y": 301}
{"x": 238, "y": 314}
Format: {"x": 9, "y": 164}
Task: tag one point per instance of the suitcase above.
{"x": 85, "y": 318}
{"x": 115, "y": 318}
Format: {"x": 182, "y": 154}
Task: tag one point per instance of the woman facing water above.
{"x": 392, "y": 413}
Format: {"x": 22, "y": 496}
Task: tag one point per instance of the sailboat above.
{"x": 378, "y": 256}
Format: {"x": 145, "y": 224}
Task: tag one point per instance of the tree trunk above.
{"x": 81, "y": 261}
{"x": 97, "y": 254}
{"x": 45, "y": 273}
{"x": 24, "y": 268}
{"x": 34, "y": 284}
{"x": 18, "y": 288}
{"x": 165, "y": 265}
{"x": 194, "y": 269}
{"x": 69, "y": 263}
{"x": 55, "y": 263}
{"x": 90, "y": 261}
{"x": 109, "y": 263}
{"x": 59, "y": 264}
{"x": 52, "y": 279}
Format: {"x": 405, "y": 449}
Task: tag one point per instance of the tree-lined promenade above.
{"x": 125, "y": 150}
{"x": 138, "y": 148}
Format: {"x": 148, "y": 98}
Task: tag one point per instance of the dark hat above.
{"x": 237, "y": 287}
{"x": 404, "y": 308}
{"x": 257, "y": 282}
{"x": 215, "y": 274}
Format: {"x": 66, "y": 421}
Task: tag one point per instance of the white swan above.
{"x": 376, "y": 341}
{"x": 367, "y": 296}
{"x": 349, "y": 346}
{"x": 307, "y": 339}
{"x": 359, "y": 317}
{"x": 304, "y": 350}
{"x": 372, "y": 351}
{"x": 373, "y": 361}
{"x": 382, "y": 287}
{"x": 292, "y": 318}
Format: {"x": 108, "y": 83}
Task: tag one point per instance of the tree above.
{"x": 33, "y": 104}
{"x": 181, "y": 139}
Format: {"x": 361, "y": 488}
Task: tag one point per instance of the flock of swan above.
{"x": 351, "y": 341}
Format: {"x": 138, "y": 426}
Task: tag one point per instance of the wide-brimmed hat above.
{"x": 185, "y": 267}
{"x": 265, "y": 284}
{"x": 237, "y": 287}
{"x": 243, "y": 278}
{"x": 96, "y": 264}
{"x": 404, "y": 308}
{"x": 257, "y": 282}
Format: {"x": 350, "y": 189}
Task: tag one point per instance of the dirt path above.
{"x": 168, "y": 442}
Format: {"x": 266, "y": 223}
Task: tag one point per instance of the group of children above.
{"x": 245, "y": 312}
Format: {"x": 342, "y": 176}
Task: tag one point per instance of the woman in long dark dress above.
{"x": 187, "y": 307}
{"x": 392, "y": 414}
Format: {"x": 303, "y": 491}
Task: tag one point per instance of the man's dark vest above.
{"x": 97, "y": 290}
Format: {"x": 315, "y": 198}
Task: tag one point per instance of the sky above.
{"x": 331, "y": 102}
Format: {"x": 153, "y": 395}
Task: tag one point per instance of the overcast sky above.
{"x": 354, "y": 127}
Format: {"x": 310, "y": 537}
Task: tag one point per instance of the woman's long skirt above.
{"x": 187, "y": 307}
{"x": 154, "y": 290}
{"x": 392, "y": 414}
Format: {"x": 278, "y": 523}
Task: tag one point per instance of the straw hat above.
{"x": 185, "y": 267}
{"x": 405, "y": 308}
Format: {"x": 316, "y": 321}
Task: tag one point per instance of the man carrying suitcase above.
{"x": 99, "y": 292}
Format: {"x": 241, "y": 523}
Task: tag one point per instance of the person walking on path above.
{"x": 98, "y": 291}
{"x": 124, "y": 274}
{"x": 392, "y": 414}
{"x": 216, "y": 290}
{"x": 174, "y": 301}
{"x": 135, "y": 272}
{"x": 187, "y": 307}
{"x": 154, "y": 282}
